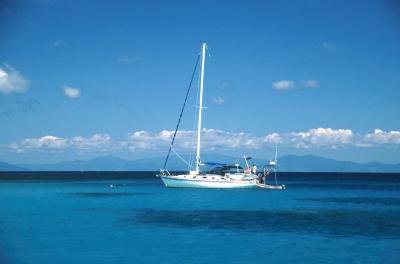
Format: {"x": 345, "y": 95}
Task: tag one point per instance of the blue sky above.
{"x": 79, "y": 80}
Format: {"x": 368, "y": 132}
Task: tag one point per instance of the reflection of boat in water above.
{"x": 220, "y": 175}
{"x": 271, "y": 186}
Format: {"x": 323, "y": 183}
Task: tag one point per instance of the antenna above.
{"x": 275, "y": 163}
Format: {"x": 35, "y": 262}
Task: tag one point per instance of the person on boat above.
{"x": 254, "y": 169}
{"x": 260, "y": 178}
{"x": 265, "y": 175}
{"x": 247, "y": 170}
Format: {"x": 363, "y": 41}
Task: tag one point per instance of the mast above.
{"x": 203, "y": 60}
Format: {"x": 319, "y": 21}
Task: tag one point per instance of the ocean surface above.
{"x": 130, "y": 217}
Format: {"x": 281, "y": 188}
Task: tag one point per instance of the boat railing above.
{"x": 164, "y": 172}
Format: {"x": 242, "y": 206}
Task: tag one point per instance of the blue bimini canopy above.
{"x": 213, "y": 164}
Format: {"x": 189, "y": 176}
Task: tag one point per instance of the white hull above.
{"x": 271, "y": 187}
{"x": 207, "y": 181}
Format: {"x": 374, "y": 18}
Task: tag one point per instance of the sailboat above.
{"x": 223, "y": 175}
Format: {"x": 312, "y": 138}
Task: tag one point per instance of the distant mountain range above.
{"x": 287, "y": 163}
{"x": 9, "y": 167}
{"x": 311, "y": 163}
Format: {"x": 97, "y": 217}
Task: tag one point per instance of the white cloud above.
{"x": 283, "y": 85}
{"x": 274, "y": 138}
{"x": 328, "y": 45}
{"x": 362, "y": 145}
{"x": 317, "y": 137}
{"x": 215, "y": 138}
{"x": 383, "y": 137}
{"x": 71, "y": 92}
{"x": 310, "y": 84}
{"x": 45, "y": 143}
{"x": 59, "y": 43}
{"x": 145, "y": 140}
{"x": 224, "y": 85}
{"x": 130, "y": 60}
{"x": 289, "y": 85}
{"x": 11, "y": 81}
{"x": 97, "y": 142}
{"x": 218, "y": 100}
{"x": 212, "y": 139}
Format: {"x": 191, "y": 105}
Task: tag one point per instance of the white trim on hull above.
{"x": 207, "y": 181}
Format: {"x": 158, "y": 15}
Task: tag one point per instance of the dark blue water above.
{"x": 79, "y": 218}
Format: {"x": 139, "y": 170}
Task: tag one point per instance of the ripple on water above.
{"x": 341, "y": 223}
{"x": 385, "y": 201}
{"x": 106, "y": 194}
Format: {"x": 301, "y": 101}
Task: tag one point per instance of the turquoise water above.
{"x": 319, "y": 218}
